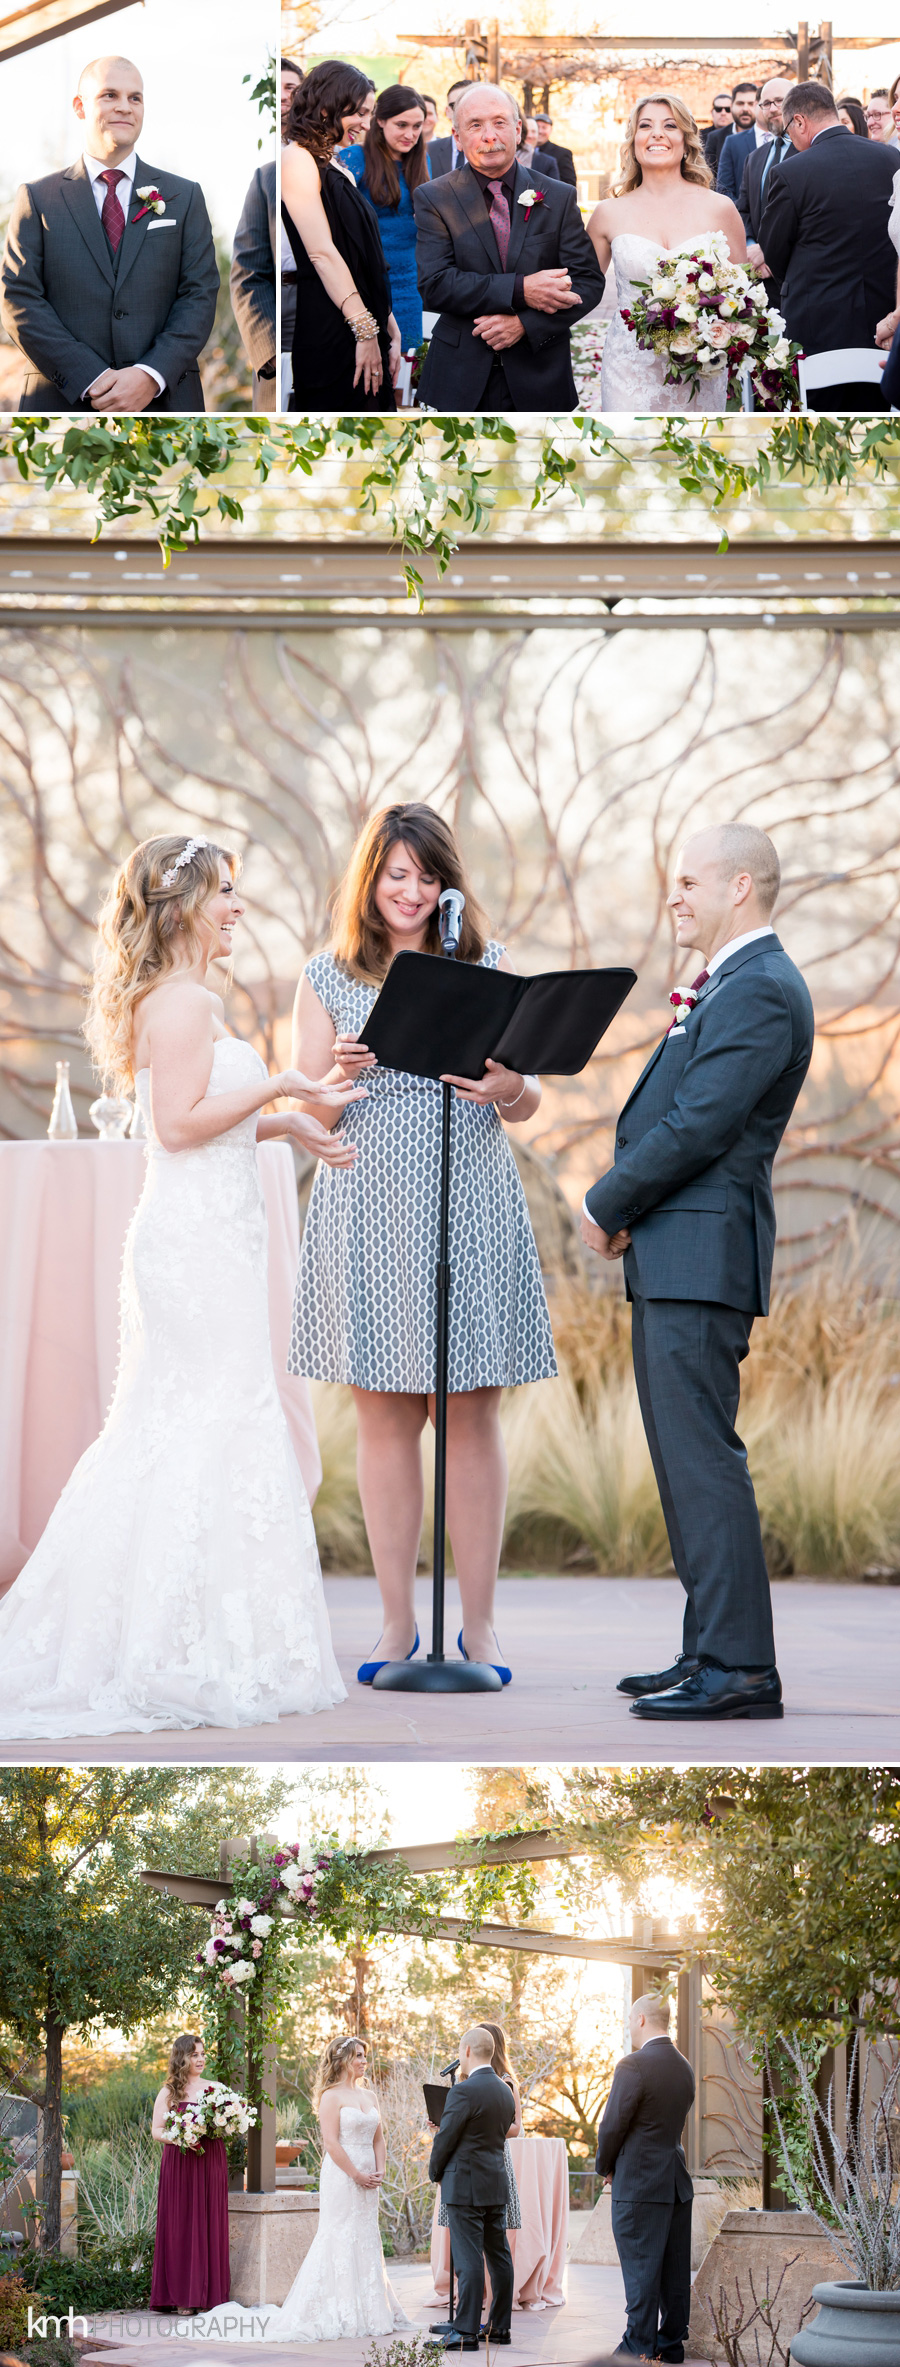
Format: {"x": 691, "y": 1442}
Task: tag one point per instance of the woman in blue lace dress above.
{"x": 388, "y": 168}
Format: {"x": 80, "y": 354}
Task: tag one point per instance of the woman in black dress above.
{"x": 346, "y": 348}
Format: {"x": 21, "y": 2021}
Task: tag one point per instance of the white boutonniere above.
{"x": 153, "y": 203}
{"x": 530, "y": 197}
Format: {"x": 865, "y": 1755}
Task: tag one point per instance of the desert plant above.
{"x": 854, "y": 2188}
{"x": 15, "y": 2302}
{"x": 826, "y": 1474}
{"x": 118, "y": 2177}
{"x": 406, "y": 2201}
{"x": 581, "y": 1461}
{"x": 735, "y": 2321}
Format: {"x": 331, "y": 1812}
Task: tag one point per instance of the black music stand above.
{"x": 433, "y": 1016}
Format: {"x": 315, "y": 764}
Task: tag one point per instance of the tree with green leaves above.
{"x": 83, "y": 1944}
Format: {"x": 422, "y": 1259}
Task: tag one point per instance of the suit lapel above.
{"x": 645, "y": 1072}
{"x": 520, "y": 216}
{"x": 135, "y": 232}
{"x": 471, "y": 198}
{"x": 736, "y": 961}
{"x": 75, "y": 186}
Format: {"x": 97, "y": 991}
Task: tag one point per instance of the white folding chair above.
{"x": 845, "y": 366}
{"x": 747, "y": 398}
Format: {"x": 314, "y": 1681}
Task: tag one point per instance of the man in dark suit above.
{"x": 547, "y": 147}
{"x": 109, "y": 276}
{"x": 253, "y": 268}
{"x": 445, "y": 154}
{"x": 539, "y": 161}
{"x": 734, "y": 152}
{"x": 719, "y": 129}
{"x": 467, "y": 2162}
{"x": 506, "y": 262}
{"x": 689, "y": 1203}
{"x": 639, "y": 2145}
{"x": 824, "y": 234}
{"x": 772, "y": 144}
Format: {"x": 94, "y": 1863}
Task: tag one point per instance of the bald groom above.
{"x": 109, "y": 278}
{"x": 689, "y": 1205}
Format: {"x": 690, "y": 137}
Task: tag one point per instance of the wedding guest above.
{"x": 291, "y": 78}
{"x": 824, "y": 233}
{"x": 880, "y": 119}
{"x": 445, "y": 152}
{"x": 734, "y": 152}
{"x": 639, "y": 2147}
{"x": 355, "y": 124}
{"x": 430, "y": 106}
{"x": 388, "y": 168}
{"x": 852, "y": 114}
{"x": 109, "y": 274}
{"x": 547, "y": 148}
{"x": 718, "y": 130}
{"x": 771, "y": 144}
{"x": 364, "y": 1311}
{"x": 346, "y": 347}
{"x": 544, "y": 168}
{"x": 253, "y": 269}
{"x": 190, "y": 2258}
{"x": 504, "y": 259}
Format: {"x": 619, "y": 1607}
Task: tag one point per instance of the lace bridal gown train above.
{"x": 177, "y": 1582}
{"x": 630, "y": 379}
{"x": 341, "y": 2290}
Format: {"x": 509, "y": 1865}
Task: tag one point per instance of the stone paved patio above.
{"x": 567, "y": 1640}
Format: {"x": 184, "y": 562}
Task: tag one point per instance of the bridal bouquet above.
{"x": 705, "y": 313}
{"x": 217, "y": 2112}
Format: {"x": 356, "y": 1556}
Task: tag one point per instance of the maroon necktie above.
{"x": 499, "y": 211}
{"x": 111, "y": 216}
{"x": 687, "y": 1000}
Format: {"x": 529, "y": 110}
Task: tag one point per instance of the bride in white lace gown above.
{"x": 663, "y": 203}
{"x": 341, "y": 2289}
{"x": 177, "y": 1583}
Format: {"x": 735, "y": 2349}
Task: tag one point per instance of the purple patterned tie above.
{"x": 112, "y": 217}
{"x": 499, "y": 212}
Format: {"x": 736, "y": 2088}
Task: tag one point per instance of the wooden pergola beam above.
{"x": 45, "y": 20}
{"x": 423, "y": 1857}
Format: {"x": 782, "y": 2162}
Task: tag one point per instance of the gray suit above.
{"x": 253, "y": 268}
{"x": 467, "y": 2160}
{"x": 75, "y": 309}
{"x": 639, "y": 2143}
{"x": 692, "y": 1181}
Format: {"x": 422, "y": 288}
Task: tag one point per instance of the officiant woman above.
{"x": 190, "y": 2259}
{"x": 364, "y": 1312}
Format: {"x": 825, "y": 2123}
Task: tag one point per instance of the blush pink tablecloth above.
{"x": 538, "y": 2247}
{"x": 65, "y": 1208}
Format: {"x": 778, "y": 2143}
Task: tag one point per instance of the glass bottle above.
{"x": 63, "y": 1125}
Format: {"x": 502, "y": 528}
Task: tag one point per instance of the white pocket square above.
{"x": 168, "y": 224}
{"x": 678, "y": 1031}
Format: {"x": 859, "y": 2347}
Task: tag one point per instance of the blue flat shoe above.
{"x": 504, "y": 1674}
{"x": 370, "y": 1668}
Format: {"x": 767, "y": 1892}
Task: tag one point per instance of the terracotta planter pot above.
{"x": 67, "y": 2161}
{"x": 289, "y": 2149}
{"x": 854, "y": 2328}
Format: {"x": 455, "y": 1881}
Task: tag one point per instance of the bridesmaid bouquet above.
{"x": 705, "y": 313}
{"x": 217, "y": 2112}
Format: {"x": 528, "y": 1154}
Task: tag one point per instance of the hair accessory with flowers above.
{"x": 153, "y": 202}
{"x": 186, "y": 856}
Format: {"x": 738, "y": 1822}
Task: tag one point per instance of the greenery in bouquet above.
{"x": 702, "y": 314}
{"x": 218, "y": 2111}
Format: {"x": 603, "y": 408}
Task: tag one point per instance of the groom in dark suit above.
{"x": 689, "y": 1204}
{"x": 467, "y": 2162}
{"x": 639, "y": 2145}
{"x": 109, "y": 275}
{"x": 824, "y": 234}
{"x": 503, "y": 256}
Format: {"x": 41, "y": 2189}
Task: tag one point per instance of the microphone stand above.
{"x": 437, "y": 1674}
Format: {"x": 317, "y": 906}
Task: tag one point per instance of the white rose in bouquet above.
{"x": 718, "y": 333}
{"x": 245, "y": 1907}
{"x": 682, "y": 344}
{"x": 706, "y": 282}
{"x": 261, "y": 1925}
{"x": 243, "y": 1970}
{"x": 661, "y": 286}
{"x": 685, "y": 311}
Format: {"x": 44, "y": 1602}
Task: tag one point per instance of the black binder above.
{"x": 435, "y": 1017}
{"x": 435, "y": 2099}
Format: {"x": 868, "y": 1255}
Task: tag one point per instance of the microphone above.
{"x": 451, "y": 905}
{"x": 450, "y": 2068}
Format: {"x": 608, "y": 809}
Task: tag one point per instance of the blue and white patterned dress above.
{"x": 364, "y": 1310}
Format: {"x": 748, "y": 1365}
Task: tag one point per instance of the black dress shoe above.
{"x": 460, "y": 2342}
{"x": 664, "y": 1679}
{"x": 489, "y": 2336}
{"x": 714, "y": 1692}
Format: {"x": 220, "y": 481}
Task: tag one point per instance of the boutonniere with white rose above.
{"x": 682, "y": 1001}
{"x": 530, "y": 197}
{"x": 153, "y": 203}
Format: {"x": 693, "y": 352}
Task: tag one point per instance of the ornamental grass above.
{"x": 820, "y": 1415}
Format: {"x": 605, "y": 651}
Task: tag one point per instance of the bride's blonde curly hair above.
{"x": 332, "y": 2065}
{"x": 141, "y": 929}
{"x": 694, "y": 166}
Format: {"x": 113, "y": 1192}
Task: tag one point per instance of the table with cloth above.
{"x": 538, "y": 2247}
{"x": 65, "y": 1208}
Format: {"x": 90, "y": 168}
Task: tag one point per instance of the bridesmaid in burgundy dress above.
{"x": 190, "y": 2263}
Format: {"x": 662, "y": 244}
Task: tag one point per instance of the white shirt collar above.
{"x": 95, "y": 165}
{"x": 762, "y": 137}
{"x": 480, "y": 2067}
{"x": 734, "y": 945}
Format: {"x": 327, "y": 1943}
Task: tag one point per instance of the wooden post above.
{"x": 826, "y": 52}
{"x": 803, "y": 50}
{"x": 528, "y": 98}
{"x": 473, "y": 47}
{"x": 493, "y": 50}
{"x": 261, "y": 2061}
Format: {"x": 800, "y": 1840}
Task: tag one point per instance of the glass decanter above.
{"x": 63, "y": 1125}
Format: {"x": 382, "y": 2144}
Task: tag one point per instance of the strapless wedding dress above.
{"x": 341, "y": 2291}
{"x": 630, "y": 379}
{"x": 177, "y": 1582}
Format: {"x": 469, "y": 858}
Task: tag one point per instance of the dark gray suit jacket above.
{"x": 253, "y": 269}
{"x": 74, "y": 309}
{"x": 440, "y": 155}
{"x": 639, "y": 2138}
{"x": 733, "y": 156}
{"x": 696, "y": 1139}
{"x": 824, "y": 234}
{"x": 460, "y": 275}
{"x": 467, "y": 2154}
